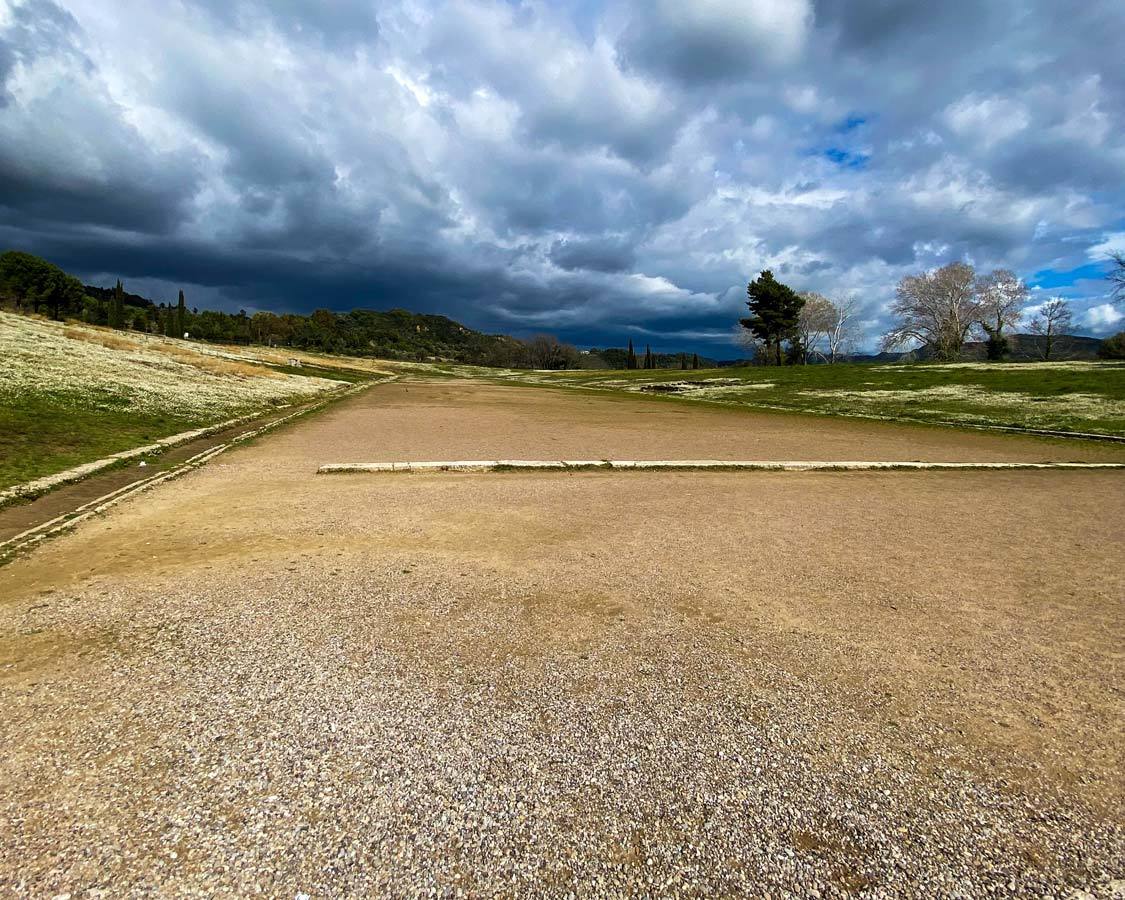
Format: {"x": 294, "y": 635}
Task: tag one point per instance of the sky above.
{"x": 597, "y": 170}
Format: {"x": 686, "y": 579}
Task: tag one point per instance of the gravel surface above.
{"x": 253, "y": 680}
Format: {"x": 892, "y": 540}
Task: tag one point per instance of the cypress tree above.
{"x": 683, "y": 361}
{"x": 631, "y": 359}
{"x": 649, "y": 361}
{"x": 695, "y": 360}
{"x": 181, "y": 322}
{"x": 117, "y": 306}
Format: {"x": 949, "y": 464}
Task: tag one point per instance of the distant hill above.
{"x": 1025, "y": 348}
{"x": 1030, "y": 347}
{"x": 390, "y": 334}
{"x": 400, "y": 334}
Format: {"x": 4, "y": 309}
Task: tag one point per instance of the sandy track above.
{"x": 466, "y": 420}
{"x": 898, "y": 684}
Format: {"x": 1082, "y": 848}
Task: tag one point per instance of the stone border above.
{"x": 32, "y": 489}
{"x": 34, "y": 535}
{"x": 507, "y": 465}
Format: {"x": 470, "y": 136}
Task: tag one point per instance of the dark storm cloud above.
{"x": 598, "y": 169}
{"x": 713, "y": 41}
{"x": 884, "y": 25}
{"x": 599, "y": 254}
{"x": 67, "y": 156}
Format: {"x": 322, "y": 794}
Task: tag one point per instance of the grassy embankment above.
{"x": 1063, "y": 396}
{"x": 73, "y": 394}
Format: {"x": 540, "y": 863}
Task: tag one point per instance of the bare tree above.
{"x": 1051, "y": 323}
{"x": 545, "y": 351}
{"x": 1001, "y": 296}
{"x": 842, "y": 329}
{"x": 1117, "y": 277}
{"x": 817, "y": 316}
{"x": 936, "y": 309}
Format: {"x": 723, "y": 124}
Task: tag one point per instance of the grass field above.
{"x": 72, "y": 394}
{"x": 1064, "y": 396}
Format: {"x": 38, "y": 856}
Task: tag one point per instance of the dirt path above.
{"x": 898, "y": 684}
{"x": 470, "y": 420}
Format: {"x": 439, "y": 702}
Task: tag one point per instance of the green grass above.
{"x": 351, "y": 376}
{"x": 42, "y": 435}
{"x": 1081, "y": 397}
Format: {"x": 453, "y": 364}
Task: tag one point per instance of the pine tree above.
{"x": 181, "y": 319}
{"x": 774, "y": 312}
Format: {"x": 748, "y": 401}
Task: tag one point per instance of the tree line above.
{"x": 29, "y": 283}
{"x": 935, "y": 312}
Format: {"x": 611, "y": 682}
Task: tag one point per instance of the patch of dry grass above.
{"x": 108, "y": 339}
{"x": 216, "y": 365}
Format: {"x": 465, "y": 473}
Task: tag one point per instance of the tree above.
{"x": 936, "y": 309}
{"x": 650, "y": 363}
{"x": 818, "y": 315}
{"x": 695, "y": 360}
{"x": 27, "y": 279}
{"x": 545, "y": 351}
{"x": 265, "y": 326}
{"x": 1000, "y": 300}
{"x": 1117, "y": 277}
{"x": 774, "y": 312}
{"x": 1051, "y": 323}
{"x": 181, "y": 317}
{"x": 683, "y": 361}
{"x": 117, "y": 306}
{"x": 1113, "y": 347}
{"x": 842, "y": 329}
{"x": 631, "y": 359}
{"x": 64, "y": 293}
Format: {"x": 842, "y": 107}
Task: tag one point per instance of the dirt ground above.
{"x": 884, "y": 684}
{"x": 466, "y": 420}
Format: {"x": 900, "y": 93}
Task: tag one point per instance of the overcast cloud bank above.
{"x": 599, "y": 170}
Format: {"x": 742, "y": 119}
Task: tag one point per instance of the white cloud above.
{"x": 1111, "y": 242}
{"x": 987, "y": 119}
{"x": 1103, "y": 317}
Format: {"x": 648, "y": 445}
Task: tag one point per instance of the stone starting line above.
{"x": 754, "y": 465}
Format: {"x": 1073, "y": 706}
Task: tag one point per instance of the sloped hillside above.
{"x": 72, "y": 393}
